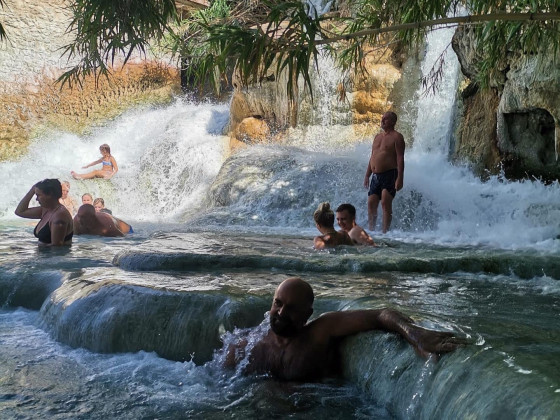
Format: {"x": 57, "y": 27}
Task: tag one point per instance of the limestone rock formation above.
{"x": 30, "y": 62}
{"x": 265, "y": 109}
{"x": 514, "y": 127}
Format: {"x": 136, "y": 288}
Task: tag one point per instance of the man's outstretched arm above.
{"x": 345, "y": 323}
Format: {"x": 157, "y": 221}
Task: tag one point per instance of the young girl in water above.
{"x": 87, "y": 198}
{"x": 108, "y": 169}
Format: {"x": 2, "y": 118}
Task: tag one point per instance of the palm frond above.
{"x": 108, "y": 31}
{"x": 2, "y": 30}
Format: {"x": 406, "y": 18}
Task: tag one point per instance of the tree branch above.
{"x": 501, "y": 16}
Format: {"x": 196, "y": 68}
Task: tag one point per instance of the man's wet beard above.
{"x": 282, "y": 326}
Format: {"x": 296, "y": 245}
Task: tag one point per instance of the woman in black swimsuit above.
{"x": 55, "y": 227}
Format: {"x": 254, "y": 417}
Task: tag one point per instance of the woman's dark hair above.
{"x": 51, "y": 187}
{"x": 324, "y": 216}
{"x": 105, "y": 147}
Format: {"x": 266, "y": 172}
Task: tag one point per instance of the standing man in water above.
{"x": 297, "y": 350}
{"x": 386, "y": 163}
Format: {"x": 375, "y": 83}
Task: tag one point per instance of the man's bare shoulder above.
{"x": 318, "y": 330}
{"x": 360, "y": 236}
{"x": 398, "y": 137}
{"x": 104, "y": 216}
{"x": 323, "y": 325}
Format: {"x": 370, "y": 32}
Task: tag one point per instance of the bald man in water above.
{"x": 386, "y": 168}
{"x": 295, "y": 349}
{"x": 89, "y": 222}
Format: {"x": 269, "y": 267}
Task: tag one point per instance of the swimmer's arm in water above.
{"x": 93, "y": 163}
{"x": 23, "y": 210}
{"x": 360, "y": 237}
{"x": 344, "y": 323}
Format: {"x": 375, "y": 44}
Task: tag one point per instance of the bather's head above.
{"x": 346, "y": 216}
{"x": 324, "y": 216}
{"x": 86, "y": 214}
{"x": 87, "y": 199}
{"x": 50, "y": 187}
{"x": 291, "y": 308}
{"x": 99, "y": 204}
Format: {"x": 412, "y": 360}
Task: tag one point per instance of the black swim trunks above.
{"x": 383, "y": 181}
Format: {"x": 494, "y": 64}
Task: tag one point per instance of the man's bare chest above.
{"x": 384, "y": 144}
{"x": 300, "y": 361}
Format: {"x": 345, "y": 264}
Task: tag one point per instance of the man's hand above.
{"x": 398, "y": 184}
{"x": 426, "y": 342}
{"x": 366, "y": 182}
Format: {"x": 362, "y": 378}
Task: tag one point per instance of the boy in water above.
{"x": 99, "y": 205}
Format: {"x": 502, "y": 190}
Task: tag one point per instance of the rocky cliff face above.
{"x": 514, "y": 125}
{"x": 264, "y": 111}
{"x": 511, "y": 127}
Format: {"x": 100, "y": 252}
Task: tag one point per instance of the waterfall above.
{"x": 167, "y": 158}
{"x": 434, "y": 125}
{"x": 171, "y": 169}
{"x": 319, "y": 7}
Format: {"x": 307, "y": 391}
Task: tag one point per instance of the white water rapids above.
{"x": 169, "y": 158}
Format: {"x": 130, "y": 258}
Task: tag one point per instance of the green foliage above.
{"x": 502, "y": 38}
{"x": 250, "y": 37}
{"x": 282, "y": 32}
{"x": 192, "y": 43}
{"x": 256, "y": 37}
{"x": 2, "y": 31}
{"x": 107, "y": 31}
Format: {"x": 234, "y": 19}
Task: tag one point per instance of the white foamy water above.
{"x": 167, "y": 157}
{"x": 434, "y": 124}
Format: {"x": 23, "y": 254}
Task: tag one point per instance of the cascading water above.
{"x": 215, "y": 238}
{"x": 441, "y": 203}
{"x": 446, "y": 202}
{"x": 167, "y": 159}
{"x": 434, "y": 125}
